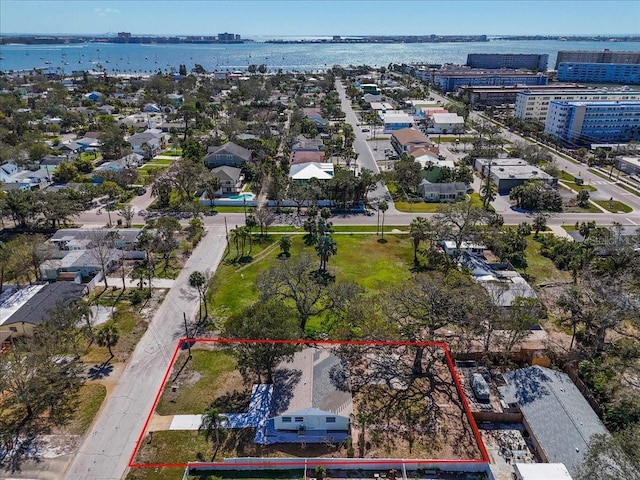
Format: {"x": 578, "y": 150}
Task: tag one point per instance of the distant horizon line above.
{"x": 249, "y": 36}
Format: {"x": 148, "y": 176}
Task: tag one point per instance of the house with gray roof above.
{"x": 316, "y": 408}
{"x": 230, "y": 179}
{"x": 36, "y": 308}
{"x": 559, "y": 419}
{"x": 303, "y": 143}
{"x": 442, "y": 192}
{"x": 229, "y": 154}
{"x": 71, "y": 147}
{"x": 133, "y": 160}
{"x": 154, "y": 139}
{"x": 81, "y": 238}
{"x": 52, "y": 162}
{"x": 86, "y": 261}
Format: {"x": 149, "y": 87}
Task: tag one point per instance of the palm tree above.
{"x": 487, "y": 193}
{"x": 539, "y": 223}
{"x": 418, "y": 231}
{"x": 211, "y": 426}
{"x": 107, "y": 336}
{"x": 383, "y": 206}
{"x": 212, "y": 185}
{"x": 362, "y": 420}
{"x": 198, "y": 281}
{"x": 285, "y": 245}
{"x": 326, "y": 247}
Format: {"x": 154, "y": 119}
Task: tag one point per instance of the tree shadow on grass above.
{"x": 234, "y": 402}
{"x": 98, "y": 372}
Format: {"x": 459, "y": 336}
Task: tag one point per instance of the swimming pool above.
{"x": 242, "y": 196}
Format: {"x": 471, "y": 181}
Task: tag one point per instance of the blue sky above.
{"x": 328, "y": 17}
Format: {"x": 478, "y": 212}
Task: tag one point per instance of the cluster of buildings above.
{"x": 529, "y": 61}
{"x": 599, "y": 67}
{"x": 78, "y": 258}
{"x": 571, "y": 112}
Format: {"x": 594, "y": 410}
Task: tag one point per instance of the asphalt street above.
{"x": 105, "y": 452}
{"x": 362, "y": 147}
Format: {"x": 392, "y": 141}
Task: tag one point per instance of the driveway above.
{"x": 106, "y": 448}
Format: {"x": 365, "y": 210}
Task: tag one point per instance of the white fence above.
{"x": 370, "y": 464}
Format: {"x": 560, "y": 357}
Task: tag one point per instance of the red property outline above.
{"x": 311, "y": 463}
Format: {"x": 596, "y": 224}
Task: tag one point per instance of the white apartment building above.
{"x": 534, "y": 105}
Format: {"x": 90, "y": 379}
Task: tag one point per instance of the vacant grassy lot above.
{"x": 383, "y": 264}
{"x": 129, "y": 317}
{"x": 157, "y": 474}
{"x": 199, "y": 381}
{"x": 424, "y": 207}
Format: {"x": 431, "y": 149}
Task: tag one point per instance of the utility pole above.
{"x": 226, "y": 232}
{"x": 186, "y": 333}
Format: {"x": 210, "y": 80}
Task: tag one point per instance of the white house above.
{"x": 301, "y": 173}
{"x": 317, "y": 406}
{"x": 446, "y": 123}
{"x": 311, "y": 419}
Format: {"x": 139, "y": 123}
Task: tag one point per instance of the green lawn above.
{"x": 576, "y": 209}
{"x": 342, "y": 228}
{"x": 230, "y": 209}
{"x": 91, "y": 397}
{"x": 172, "y": 446}
{"x": 450, "y": 139}
{"x": 172, "y": 152}
{"x": 157, "y": 473}
{"x": 198, "y": 382}
{"x": 160, "y": 161}
{"x": 421, "y": 207}
{"x": 386, "y": 263}
{"x": 541, "y": 269}
{"x": 598, "y": 173}
{"x": 424, "y": 207}
{"x": 569, "y": 181}
{"x": 614, "y": 206}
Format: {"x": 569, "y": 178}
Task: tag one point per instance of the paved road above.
{"x": 606, "y": 188}
{"x": 106, "y": 449}
{"x": 366, "y": 159}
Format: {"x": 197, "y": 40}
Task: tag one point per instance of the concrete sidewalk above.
{"x": 558, "y": 231}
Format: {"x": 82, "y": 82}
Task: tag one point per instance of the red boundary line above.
{"x": 155, "y": 402}
{"x": 302, "y": 463}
